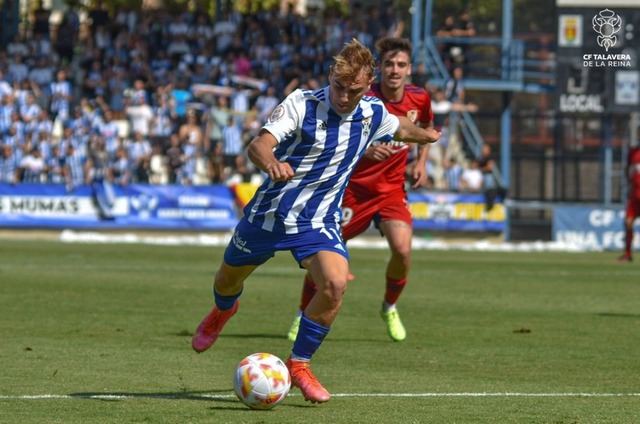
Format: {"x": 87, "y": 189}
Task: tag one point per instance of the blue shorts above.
{"x": 251, "y": 245}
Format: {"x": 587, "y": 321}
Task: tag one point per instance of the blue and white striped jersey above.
{"x": 322, "y": 148}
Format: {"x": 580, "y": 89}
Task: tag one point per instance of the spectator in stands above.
{"x": 5, "y": 87}
{"x": 161, "y": 124}
{"x": 99, "y": 17}
{"x": 18, "y": 70}
{"x": 179, "y": 97}
{"x": 42, "y": 75}
{"x": 55, "y": 166}
{"x": 232, "y": 146}
{"x": 490, "y": 187}
{"x": 471, "y": 178}
{"x": 190, "y": 132}
{"x": 449, "y": 50}
{"x": 175, "y": 159}
{"x": 107, "y": 128}
{"x": 8, "y": 165}
{"x": 138, "y": 110}
{"x": 32, "y": 167}
{"x": 67, "y": 35}
{"x": 61, "y": 92}
{"x": 74, "y": 167}
{"x": 140, "y": 155}
{"x": 265, "y": 103}
{"x": 120, "y": 167}
{"x": 116, "y": 87}
{"x": 454, "y": 88}
{"x": 465, "y": 27}
{"x": 452, "y": 174}
{"x": 420, "y": 76}
{"x": 216, "y": 119}
{"x": 41, "y": 20}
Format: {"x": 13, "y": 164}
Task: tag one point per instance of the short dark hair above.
{"x": 393, "y": 44}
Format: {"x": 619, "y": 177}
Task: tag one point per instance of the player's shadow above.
{"x": 186, "y": 333}
{"x": 217, "y": 396}
{"x": 618, "y": 315}
{"x": 253, "y": 336}
{"x": 208, "y": 395}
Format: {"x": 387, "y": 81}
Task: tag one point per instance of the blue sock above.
{"x": 225, "y": 302}
{"x": 310, "y": 336}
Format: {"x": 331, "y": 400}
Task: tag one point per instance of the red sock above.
{"x": 309, "y": 289}
{"x": 393, "y": 290}
{"x": 628, "y": 241}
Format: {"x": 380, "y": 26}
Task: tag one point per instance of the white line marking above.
{"x": 187, "y": 395}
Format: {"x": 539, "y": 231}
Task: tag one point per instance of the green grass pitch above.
{"x": 492, "y": 338}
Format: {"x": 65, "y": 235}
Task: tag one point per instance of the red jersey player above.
{"x": 376, "y": 189}
{"x": 633, "y": 201}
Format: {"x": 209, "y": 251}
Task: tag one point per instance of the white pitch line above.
{"x": 335, "y": 395}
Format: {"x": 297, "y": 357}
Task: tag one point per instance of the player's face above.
{"x": 345, "y": 92}
{"x": 395, "y": 67}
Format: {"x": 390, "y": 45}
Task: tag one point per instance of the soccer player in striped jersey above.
{"x": 376, "y": 191}
{"x": 309, "y": 147}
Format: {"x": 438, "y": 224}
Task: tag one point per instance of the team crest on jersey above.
{"x": 412, "y": 115}
{"x": 277, "y": 114}
{"x": 366, "y": 126}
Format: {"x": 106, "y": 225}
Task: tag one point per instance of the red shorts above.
{"x": 633, "y": 208}
{"x": 359, "y": 209}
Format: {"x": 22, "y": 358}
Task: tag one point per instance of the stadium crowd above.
{"x": 153, "y": 97}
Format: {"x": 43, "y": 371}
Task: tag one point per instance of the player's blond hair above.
{"x": 353, "y": 59}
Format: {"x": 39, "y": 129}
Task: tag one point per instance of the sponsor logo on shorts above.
{"x": 239, "y": 243}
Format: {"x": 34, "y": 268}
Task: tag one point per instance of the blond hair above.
{"x": 353, "y": 59}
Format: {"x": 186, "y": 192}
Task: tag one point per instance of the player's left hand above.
{"x": 279, "y": 171}
{"x": 419, "y": 176}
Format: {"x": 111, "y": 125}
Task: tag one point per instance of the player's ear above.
{"x": 410, "y": 68}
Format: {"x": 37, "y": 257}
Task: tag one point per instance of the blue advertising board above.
{"x": 455, "y": 212}
{"x": 593, "y": 228}
{"x": 110, "y": 206}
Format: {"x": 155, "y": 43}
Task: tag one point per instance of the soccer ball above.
{"x": 261, "y": 381}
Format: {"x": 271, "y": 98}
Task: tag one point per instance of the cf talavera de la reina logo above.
{"x": 606, "y": 25}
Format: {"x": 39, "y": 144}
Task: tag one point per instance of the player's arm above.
{"x": 408, "y": 132}
{"x": 419, "y": 173}
{"x": 260, "y": 152}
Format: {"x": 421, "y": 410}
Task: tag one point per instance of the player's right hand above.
{"x": 379, "y": 152}
{"x": 279, "y": 171}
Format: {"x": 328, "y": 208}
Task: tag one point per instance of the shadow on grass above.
{"x": 618, "y": 315}
{"x": 218, "y": 396}
{"x": 185, "y": 333}
{"x": 185, "y": 395}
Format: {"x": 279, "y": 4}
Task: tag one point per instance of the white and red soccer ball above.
{"x": 261, "y": 381}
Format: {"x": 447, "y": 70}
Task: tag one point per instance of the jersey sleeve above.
{"x": 388, "y": 126}
{"x": 427, "y": 111}
{"x": 286, "y": 117}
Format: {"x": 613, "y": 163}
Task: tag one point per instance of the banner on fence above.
{"x": 107, "y": 206}
{"x": 594, "y": 228}
{"x": 455, "y": 212}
